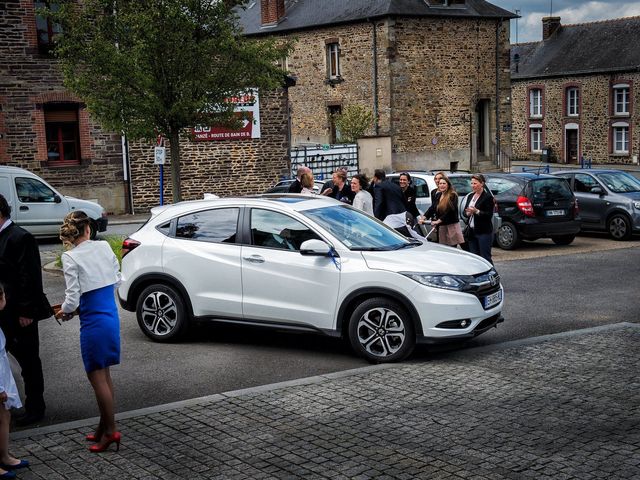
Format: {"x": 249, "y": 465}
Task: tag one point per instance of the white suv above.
{"x": 314, "y": 264}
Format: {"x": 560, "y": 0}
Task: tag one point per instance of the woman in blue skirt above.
{"x": 91, "y": 273}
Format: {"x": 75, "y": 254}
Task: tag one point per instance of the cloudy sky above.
{"x": 570, "y": 11}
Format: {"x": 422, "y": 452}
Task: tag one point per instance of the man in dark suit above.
{"x": 388, "y": 198}
{"x": 21, "y": 275}
{"x": 296, "y": 186}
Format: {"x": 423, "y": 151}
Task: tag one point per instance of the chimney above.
{"x": 271, "y": 11}
{"x": 549, "y": 26}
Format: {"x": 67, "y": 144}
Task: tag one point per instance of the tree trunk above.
{"x": 174, "y": 137}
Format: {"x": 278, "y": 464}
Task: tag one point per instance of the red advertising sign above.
{"x": 247, "y": 107}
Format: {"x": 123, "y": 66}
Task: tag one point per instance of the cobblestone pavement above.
{"x": 556, "y": 407}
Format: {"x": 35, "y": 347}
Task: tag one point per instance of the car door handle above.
{"x": 23, "y": 208}
{"x": 254, "y": 259}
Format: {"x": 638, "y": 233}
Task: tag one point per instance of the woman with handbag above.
{"x": 478, "y": 209}
{"x": 91, "y": 272}
{"x": 445, "y": 214}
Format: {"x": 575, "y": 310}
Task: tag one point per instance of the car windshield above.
{"x": 356, "y": 230}
{"x": 620, "y": 182}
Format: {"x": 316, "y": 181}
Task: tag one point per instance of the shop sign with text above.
{"x": 247, "y": 107}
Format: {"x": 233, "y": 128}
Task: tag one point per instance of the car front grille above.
{"x": 484, "y": 284}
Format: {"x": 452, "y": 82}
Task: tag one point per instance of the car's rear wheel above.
{"x": 563, "y": 239}
{"x": 507, "y": 236}
{"x": 161, "y": 313}
{"x": 381, "y": 330}
{"x": 619, "y": 227}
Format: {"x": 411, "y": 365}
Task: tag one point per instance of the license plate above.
{"x": 493, "y": 299}
{"x": 555, "y": 213}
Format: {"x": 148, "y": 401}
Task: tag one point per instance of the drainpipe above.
{"x": 498, "y": 92}
{"x": 375, "y": 76}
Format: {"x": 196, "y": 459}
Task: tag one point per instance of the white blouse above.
{"x": 89, "y": 266}
{"x": 363, "y": 201}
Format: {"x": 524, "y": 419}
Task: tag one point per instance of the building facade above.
{"x": 575, "y": 93}
{"x": 48, "y": 131}
{"x": 434, "y": 73}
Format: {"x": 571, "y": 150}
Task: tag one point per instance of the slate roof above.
{"x": 586, "y": 48}
{"x": 306, "y": 14}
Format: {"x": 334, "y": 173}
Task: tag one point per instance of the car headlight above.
{"x": 441, "y": 280}
{"x": 636, "y": 205}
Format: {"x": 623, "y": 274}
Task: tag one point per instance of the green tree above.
{"x": 353, "y": 122}
{"x": 149, "y": 67}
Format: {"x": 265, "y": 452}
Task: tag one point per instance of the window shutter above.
{"x": 61, "y": 116}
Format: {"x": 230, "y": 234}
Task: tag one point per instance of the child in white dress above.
{"x": 9, "y": 398}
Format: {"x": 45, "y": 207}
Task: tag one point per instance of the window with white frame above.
{"x": 333, "y": 60}
{"x": 535, "y": 102}
{"x": 620, "y": 137}
{"x": 573, "y": 101}
{"x": 535, "y": 134}
{"x": 621, "y": 99}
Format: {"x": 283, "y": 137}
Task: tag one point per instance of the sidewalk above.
{"x": 553, "y": 407}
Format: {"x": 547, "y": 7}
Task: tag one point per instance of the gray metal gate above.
{"x": 323, "y": 160}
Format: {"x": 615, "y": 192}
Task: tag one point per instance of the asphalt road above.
{"x": 548, "y": 289}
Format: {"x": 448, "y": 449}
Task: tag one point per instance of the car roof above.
{"x": 521, "y": 175}
{"x": 285, "y": 201}
{"x": 8, "y": 169}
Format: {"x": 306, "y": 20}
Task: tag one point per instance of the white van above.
{"x": 39, "y": 208}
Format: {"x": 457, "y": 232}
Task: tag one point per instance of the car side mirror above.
{"x": 597, "y": 190}
{"x": 316, "y": 248}
{"x": 56, "y": 198}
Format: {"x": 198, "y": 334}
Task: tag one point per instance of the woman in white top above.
{"x": 363, "y": 199}
{"x": 91, "y": 272}
{"x": 306, "y": 180}
{"x": 9, "y": 398}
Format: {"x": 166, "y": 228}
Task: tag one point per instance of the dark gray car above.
{"x": 609, "y": 200}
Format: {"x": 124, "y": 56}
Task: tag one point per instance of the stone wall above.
{"x": 594, "y": 121}
{"x": 431, "y": 72}
{"x": 29, "y": 81}
{"x": 223, "y": 168}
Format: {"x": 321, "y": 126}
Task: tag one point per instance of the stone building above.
{"x": 575, "y": 92}
{"x": 48, "y": 131}
{"x": 434, "y": 73}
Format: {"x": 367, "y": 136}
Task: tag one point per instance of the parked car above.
{"x": 423, "y": 183}
{"x": 40, "y": 208}
{"x": 283, "y": 186}
{"x": 609, "y": 201}
{"x": 534, "y": 206}
{"x": 310, "y": 264}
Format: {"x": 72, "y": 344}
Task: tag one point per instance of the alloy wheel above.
{"x": 381, "y": 332}
{"x": 159, "y": 313}
{"x": 618, "y": 227}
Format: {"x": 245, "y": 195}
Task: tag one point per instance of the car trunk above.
{"x": 551, "y": 199}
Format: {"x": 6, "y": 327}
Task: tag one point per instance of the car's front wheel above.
{"x": 507, "y": 236}
{"x": 381, "y": 330}
{"x": 161, "y": 313}
{"x": 619, "y": 227}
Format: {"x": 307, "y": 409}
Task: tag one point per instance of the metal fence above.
{"x": 323, "y": 160}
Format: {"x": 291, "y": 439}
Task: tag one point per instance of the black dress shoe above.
{"x": 29, "y": 418}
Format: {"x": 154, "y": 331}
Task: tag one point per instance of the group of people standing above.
{"x": 383, "y": 198}
{"x": 91, "y": 273}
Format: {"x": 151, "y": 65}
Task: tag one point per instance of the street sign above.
{"x": 159, "y": 155}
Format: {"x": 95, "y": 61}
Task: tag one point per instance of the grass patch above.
{"x": 114, "y": 241}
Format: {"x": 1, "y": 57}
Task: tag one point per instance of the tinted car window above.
{"x": 462, "y": 185}
{"x": 422, "y": 189}
{"x": 620, "y": 182}
{"x": 216, "y": 226}
{"x": 276, "y": 230}
{"x": 584, "y": 183}
{"x": 500, "y": 186}
{"x": 32, "y": 190}
{"x": 546, "y": 189}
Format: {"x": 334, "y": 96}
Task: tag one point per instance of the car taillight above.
{"x": 524, "y": 204}
{"x": 128, "y": 244}
{"x": 495, "y": 206}
{"x": 576, "y": 210}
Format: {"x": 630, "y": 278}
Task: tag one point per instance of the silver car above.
{"x": 609, "y": 200}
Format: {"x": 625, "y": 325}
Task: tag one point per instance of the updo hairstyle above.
{"x": 73, "y": 227}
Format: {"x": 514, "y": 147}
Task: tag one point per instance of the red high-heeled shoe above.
{"x": 93, "y": 437}
{"x": 115, "y": 437}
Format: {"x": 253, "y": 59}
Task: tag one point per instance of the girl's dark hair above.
{"x": 73, "y": 227}
{"x": 406, "y": 174}
{"x": 362, "y": 180}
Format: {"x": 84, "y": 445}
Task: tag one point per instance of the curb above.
{"x": 51, "y": 267}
